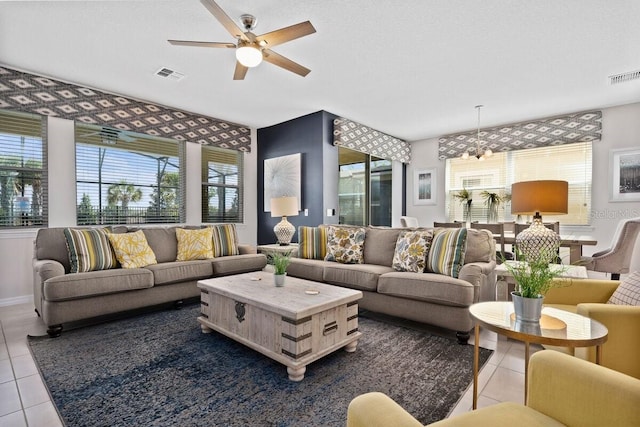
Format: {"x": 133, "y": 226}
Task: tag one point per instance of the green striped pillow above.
{"x": 89, "y": 250}
{"x": 446, "y": 255}
{"x": 313, "y": 242}
{"x": 225, "y": 240}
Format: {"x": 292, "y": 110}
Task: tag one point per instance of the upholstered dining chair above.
{"x": 497, "y": 229}
{"x": 616, "y": 259}
{"x": 409, "y": 221}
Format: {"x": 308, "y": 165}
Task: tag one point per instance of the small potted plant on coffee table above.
{"x": 533, "y": 279}
{"x": 280, "y": 262}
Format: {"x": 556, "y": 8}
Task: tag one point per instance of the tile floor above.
{"x": 24, "y": 400}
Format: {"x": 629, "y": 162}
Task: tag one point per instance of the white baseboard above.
{"x": 24, "y": 299}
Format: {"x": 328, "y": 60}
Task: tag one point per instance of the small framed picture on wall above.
{"x": 625, "y": 175}
{"x": 424, "y": 186}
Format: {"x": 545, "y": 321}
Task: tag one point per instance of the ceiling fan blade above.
{"x": 224, "y": 19}
{"x": 279, "y": 60}
{"x": 200, "y": 44}
{"x": 240, "y": 71}
{"x": 286, "y": 34}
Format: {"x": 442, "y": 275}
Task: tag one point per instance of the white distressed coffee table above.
{"x": 292, "y": 325}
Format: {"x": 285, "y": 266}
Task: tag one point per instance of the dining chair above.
{"x": 409, "y": 221}
{"x": 448, "y": 224}
{"x": 497, "y": 229}
{"x": 617, "y": 259}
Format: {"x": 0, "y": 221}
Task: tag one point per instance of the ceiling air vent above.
{"x": 170, "y": 74}
{"x": 624, "y": 77}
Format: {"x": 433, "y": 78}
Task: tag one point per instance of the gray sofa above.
{"x": 429, "y": 298}
{"x": 61, "y": 297}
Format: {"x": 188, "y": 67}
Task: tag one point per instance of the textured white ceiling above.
{"x": 411, "y": 68}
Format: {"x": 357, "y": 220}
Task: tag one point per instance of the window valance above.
{"x": 21, "y": 91}
{"x": 579, "y": 127}
{"x": 356, "y": 136}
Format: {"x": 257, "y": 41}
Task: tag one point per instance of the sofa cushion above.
{"x": 345, "y": 244}
{"x": 313, "y": 242}
{"x": 446, "y": 255}
{"x": 180, "y": 271}
{"x": 132, "y": 249}
{"x": 356, "y": 276}
{"x": 89, "y": 250}
{"x": 162, "y": 241}
{"x": 431, "y": 287}
{"x": 412, "y": 248}
{"x": 194, "y": 244}
{"x": 236, "y": 264}
{"x": 628, "y": 291}
{"x": 310, "y": 269}
{"x": 84, "y": 285}
{"x": 225, "y": 240}
{"x": 380, "y": 245}
{"x": 481, "y": 246}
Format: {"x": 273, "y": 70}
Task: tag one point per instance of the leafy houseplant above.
{"x": 533, "y": 279}
{"x": 465, "y": 197}
{"x": 280, "y": 262}
{"x": 493, "y": 201}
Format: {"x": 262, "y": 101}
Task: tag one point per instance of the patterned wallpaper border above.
{"x": 356, "y": 136}
{"x": 32, "y": 93}
{"x": 572, "y": 128}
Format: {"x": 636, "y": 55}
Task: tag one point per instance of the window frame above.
{"x": 22, "y": 127}
{"x": 222, "y": 156}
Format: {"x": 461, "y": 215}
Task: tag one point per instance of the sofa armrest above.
{"x": 576, "y": 291}
{"x": 579, "y": 393}
{"x": 377, "y": 409}
{"x": 47, "y": 268}
{"x": 621, "y": 352}
{"x": 482, "y": 276}
{"x": 246, "y": 249}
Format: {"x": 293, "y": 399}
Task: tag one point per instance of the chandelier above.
{"x": 477, "y": 150}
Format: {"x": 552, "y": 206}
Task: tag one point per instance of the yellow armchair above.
{"x": 563, "y": 391}
{"x": 588, "y": 297}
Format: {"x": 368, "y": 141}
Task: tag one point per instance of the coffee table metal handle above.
{"x": 330, "y": 328}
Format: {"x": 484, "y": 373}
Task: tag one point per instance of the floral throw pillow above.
{"x": 412, "y": 248}
{"x": 345, "y": 244}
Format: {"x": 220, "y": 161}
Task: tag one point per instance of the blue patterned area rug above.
{"x": 159, "y": 369}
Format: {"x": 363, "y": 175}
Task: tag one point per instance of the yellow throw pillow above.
{"x": 132, "y": 249}
{"x": 194, "y": 244}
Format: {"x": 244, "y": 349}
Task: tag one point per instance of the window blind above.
{"x": 128, "y": 178}
{"x": 222, "y": 185}
{"x": 23, "y": 170}
{"x": 570, "y": 162}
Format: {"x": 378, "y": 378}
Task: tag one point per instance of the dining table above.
{"x": 574, "y": 243}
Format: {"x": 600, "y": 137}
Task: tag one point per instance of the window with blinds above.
{"x": 222, "y": 185}
{"x": 128, "y": 178}
{"x": 570, "y": 162}
{"x": 23, "y": 170}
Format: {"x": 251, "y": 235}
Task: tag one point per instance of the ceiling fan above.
{"x": 251, "y": 49}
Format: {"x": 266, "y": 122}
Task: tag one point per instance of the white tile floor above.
{"x": 24, "y": 400}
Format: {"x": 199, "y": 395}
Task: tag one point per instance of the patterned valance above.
{"x": 355, "y": 136}
{"x": 579, "y": 127}
{"x": 36, "y": 94}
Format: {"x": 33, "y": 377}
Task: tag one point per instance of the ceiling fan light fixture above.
{"x": 249, "y": 56}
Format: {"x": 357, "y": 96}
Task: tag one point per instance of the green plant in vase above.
{"x": 465, "y": 197}
{"x": 533, "y": 279}
{"x": 493, "y": 201}
{"x": 280, "y": 262}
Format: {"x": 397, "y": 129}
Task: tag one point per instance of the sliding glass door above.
{"x": 364, "y": 189}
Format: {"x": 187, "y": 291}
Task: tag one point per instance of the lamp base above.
{"x": 284, "y": 231}
{"x": 538, "y": 242}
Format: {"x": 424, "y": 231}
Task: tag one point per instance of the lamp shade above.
{"x": 284, "y": 206}
{"x": 249, "y": 56}
{"x": 544, "y": 197}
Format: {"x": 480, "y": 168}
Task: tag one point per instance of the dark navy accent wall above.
{"x": 312, "y": 136}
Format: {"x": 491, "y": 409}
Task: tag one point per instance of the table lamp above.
{"x": 284, "y": 207}
{"x": 537, "y": 198}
